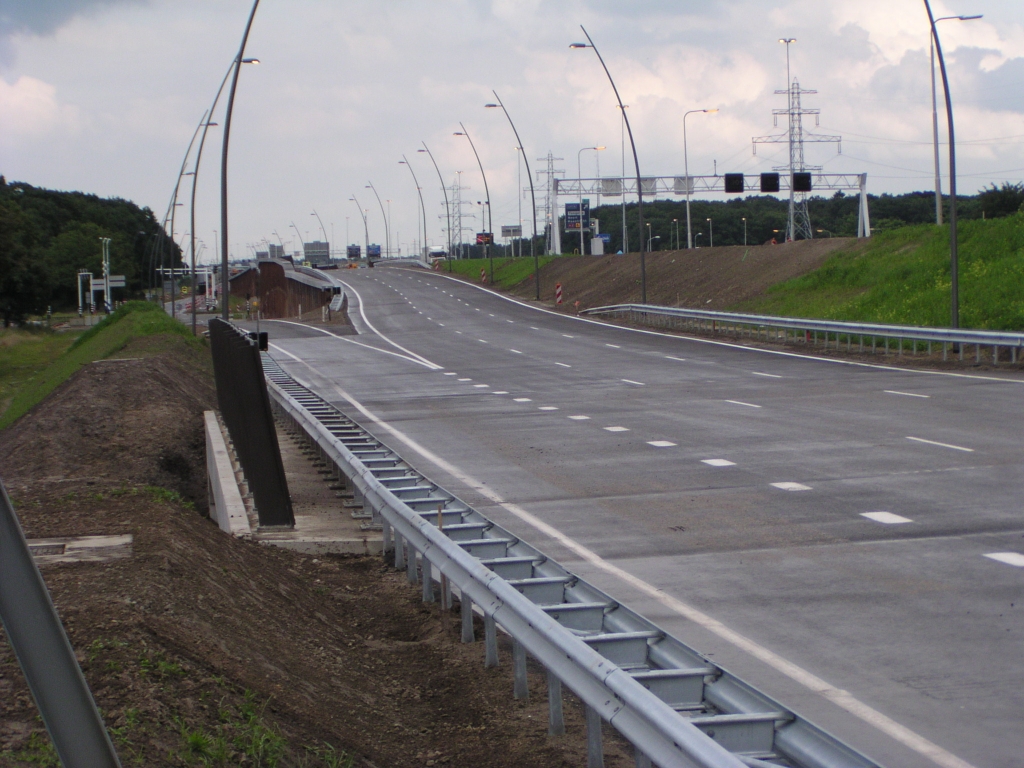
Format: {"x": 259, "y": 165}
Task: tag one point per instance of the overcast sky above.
{"x": 103, "y": 96}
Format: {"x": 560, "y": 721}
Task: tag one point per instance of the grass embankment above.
{"x": 34, "y": 364}
{"x": 902, "y": 277}
{"x": 508, "y": 272}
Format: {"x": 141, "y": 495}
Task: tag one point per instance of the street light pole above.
{"x": 744, "y": 230}
{"x": 533, "y": 199}
{"x": 419, "y": 192}
{"x": 636, "y": 162}
{"x": 686, "y": 170}
{"x": 366, "y": 228}
{"x": 225, "y": 283}
{"x": 387, "y": 230}
{"x": 935, "y": 114}
{"x": 711, "y": 234}
{"x": 954, "y": 278}
{"x": 490, "y": 221}
{"x": 447, "y": 210}
{"x": 579, "y": 177}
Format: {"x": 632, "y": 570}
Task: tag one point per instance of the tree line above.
{"x": 47, "y": 236}
{"x": 766, "y": 217}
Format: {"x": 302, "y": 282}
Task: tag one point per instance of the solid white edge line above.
{"x": 740, "y": 402}
{"x": 843, "y": 699}
{"x": 941, "y": 445}
{"x": 425, "y": 364}
{"x": 638, "y": 383}
{"x": 714, "y": 342}
{"x": 362, "y": 314}
{"x": 905, "y": 394}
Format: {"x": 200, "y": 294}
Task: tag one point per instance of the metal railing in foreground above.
{"x": 855, "y": 335}
{"x": 675, "y": 706}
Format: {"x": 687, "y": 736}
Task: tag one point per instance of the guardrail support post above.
{"x": 490, "y": 641}
{"x": 595, "y": 751}
{"x": 520, "y": 689}
{"x": 386, "y": 536}
{"x": 410, "y": 565}
{"x": 977, "y": 353}
{"x": 556, "y": 722}
{"x": 642, "y": 760}
{"x": 399, "y": 551}
{"x": 428, "y": 581}
{"x": 466, "y": 609}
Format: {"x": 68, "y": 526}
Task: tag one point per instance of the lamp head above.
{"x": 490, "y": 106}
{"x": 598, "y": 149}
{"x": 580, "y": 45}
{"x": 787, "y": 40}
{"x": 250, "y": 61}
{"x": 458, "y": 133}
{"x": 711, "y": 111}
{"x": 421, "y": 150}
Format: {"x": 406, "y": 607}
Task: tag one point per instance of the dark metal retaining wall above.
{"x": 245, "y": 406}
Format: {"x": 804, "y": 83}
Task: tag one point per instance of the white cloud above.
{"x": 31, "y": 110}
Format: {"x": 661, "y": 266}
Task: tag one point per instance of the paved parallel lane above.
{"x": 670, "y": 459}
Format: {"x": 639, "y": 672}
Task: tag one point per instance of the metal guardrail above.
{"x": 905, "y": 336}
{"x": 245, "y": 407}
{"x": 673, "y": 704}
{"x": 45, "y": 655}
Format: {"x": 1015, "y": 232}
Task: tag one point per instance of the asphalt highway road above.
{"x": 847, "y": 538}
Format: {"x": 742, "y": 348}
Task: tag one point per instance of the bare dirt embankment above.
{"x": 206, "y": 650}
{"x": 702, "y": 278}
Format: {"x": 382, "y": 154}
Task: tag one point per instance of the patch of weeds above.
{"x": 320, "y": 589}
{"x": 38, "y": 750}
{"x": 168, "y": 496}
{"x": 331, "y": 757}
{"x": 158, "y": 666}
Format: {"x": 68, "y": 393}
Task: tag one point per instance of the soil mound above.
{"x": 701, "y": 278}
{"x": 202, "y": 649}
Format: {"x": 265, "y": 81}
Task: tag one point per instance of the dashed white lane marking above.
{"x": 548, "y": 408}
{"x": 1010, "y": 558}
{"x": 515, "y": 352}
{"x": 887, "y": 518}
{"x": 509, "y": 321}
{"x": 941, "y": 445}
{"x": 791, "y": 486}
{"x": 580, "y": 418}
{"x": 905, "y": 394}
{"x": 477, "y": 309}
{"x": 568, "y": 336}
{"x": 740, "y": 402}
{"x": 481, "y": 386}
{"x": 459, "y": 332}
{"x": 450, "y": 373}
{"x": 613, "y": 346}
{"x": 638, "y": 383}
{"x": 534, "y": 328}
{"x": 719, "y": 462}
{"x": 441, "y": 324}
{"x": 522, "y": 400}
{"x": 483, "y": 341}
{"x": 616, "y": 429}
{"x": 678, "y": 359}
{"x": 660, "y": 443}
{"x": 499, "y": 392}
{"x": 766, "y": 375}
{"x": 489, "y": 314}
{"x": 464, "y": 379}
{"x": 564, "y": 365}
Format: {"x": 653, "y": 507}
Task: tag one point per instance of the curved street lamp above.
{"x": 225, "y": 283}
{"x": 533, "y": 200}
{"x": 387, "y": 230}
{"x": 579, "y": 175}
{"x": 686, "y": 170}
{"x": 199, "y": 155}
{"x": 954, "y": 278}
{"x": 636, "y": 162}
{"x": 366, "y": 228}
{"x": 404, "y": 161}
{"x": 490, "y": 222}
{"x": 324, "y": 231}
{"x": 447, "y": 210}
